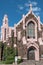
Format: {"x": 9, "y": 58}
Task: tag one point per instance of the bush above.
{"x": 19, "y": 61}
{"x": 8, "y": 55}
{"x": 9, "y": 61}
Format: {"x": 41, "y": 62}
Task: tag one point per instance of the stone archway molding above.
{"x": 35, "y": 27}
{"x": 36, "y": 50}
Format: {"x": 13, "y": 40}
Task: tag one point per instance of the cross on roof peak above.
{"x": 30, "y": 7}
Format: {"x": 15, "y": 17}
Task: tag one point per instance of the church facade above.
{"x": 28, "y": 36}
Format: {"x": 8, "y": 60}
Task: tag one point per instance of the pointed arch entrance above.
{"x": 31, "y": 53}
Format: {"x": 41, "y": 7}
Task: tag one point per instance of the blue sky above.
{"x": 16, "y": 8}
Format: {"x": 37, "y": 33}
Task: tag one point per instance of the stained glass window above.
{"x": 31, "y": 30}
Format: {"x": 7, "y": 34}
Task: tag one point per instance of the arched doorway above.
{"x": 31, "y": 53}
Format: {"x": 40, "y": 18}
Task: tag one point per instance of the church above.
{"x": 28, "y": 36}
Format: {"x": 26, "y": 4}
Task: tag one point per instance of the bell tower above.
{"x": 5, "y": 20}
{"x": 4, "y": 29}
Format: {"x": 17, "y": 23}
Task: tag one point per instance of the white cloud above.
{"x": 37, "y": 13}
{"x": 34, "y": 6}
{"x": 27, "y": 4}
{"x": 30, "y": 2}
{"x": 20, "y": 7}
{"x": 36, "y": 9}
{"x": 33, "y": 3}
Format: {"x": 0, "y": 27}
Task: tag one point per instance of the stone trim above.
{"x": 24, "y": 22}
{"x": 15, "y": 35}
{"x": 26, "y": 16}
{"x": 40, "y": 41}
{"x": 39, "y": 26}
{"x": 35, "y": 39}
{"x": 36, "y": 50}
{"x": 32, "y": 44}
{"x": 24, "y": 40}
{"x": 19, "y": 35}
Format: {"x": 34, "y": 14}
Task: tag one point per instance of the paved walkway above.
{"x": 28, "y": 62}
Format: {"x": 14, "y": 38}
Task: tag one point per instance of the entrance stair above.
{"x": 31, "y": 62}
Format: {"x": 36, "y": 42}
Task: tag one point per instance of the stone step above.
{"x": 24, "y": 63}
{"x": 39, "y": 63}
{"x": 31, "y": 62}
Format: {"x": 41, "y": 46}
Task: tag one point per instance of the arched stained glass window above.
{"x": 31, "y": 30}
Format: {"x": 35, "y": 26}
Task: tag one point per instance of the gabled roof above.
{"x": 26, "y": 16}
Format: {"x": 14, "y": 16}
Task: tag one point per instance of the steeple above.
{"x": 5, "y": 19}
{"x": 5, "y": 28}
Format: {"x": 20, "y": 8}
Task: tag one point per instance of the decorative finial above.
{"x": 5, "y": 17}
{"x": 30, "y": 7}
{"x": 38, "y": 18}
{"x": 23, "y": 15}
{"x": 14, "y": 25}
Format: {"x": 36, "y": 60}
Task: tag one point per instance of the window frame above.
{"x": 31, "y": 29}
{"x": 29, "y": 39}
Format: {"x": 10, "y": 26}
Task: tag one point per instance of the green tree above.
{"x": 9, "y": 55}
{"x": 9, "y": 52}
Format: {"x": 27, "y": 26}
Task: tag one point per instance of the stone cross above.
{"x": 30, "y": 7}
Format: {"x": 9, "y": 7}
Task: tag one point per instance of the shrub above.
{"x": 19, "y": 61}
{"x": 9, "y": 55}
{"x": 9, "y": 60}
